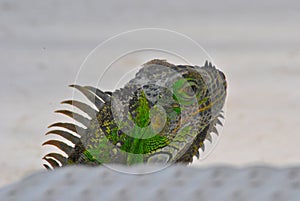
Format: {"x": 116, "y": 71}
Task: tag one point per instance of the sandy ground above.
{"x": 257, "y": 45}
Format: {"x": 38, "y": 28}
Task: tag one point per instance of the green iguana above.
{"x": 163, "y": 115}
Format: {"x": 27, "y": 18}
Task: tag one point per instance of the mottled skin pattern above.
{"x": 163, "y": 115}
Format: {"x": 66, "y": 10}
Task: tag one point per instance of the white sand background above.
{"x": 256, "y": 44}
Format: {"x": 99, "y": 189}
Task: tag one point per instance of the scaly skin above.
{"x": 163, "y": 115}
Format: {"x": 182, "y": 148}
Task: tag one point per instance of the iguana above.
{"x": 163, "y": 115}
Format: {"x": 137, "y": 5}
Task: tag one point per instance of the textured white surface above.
{"x": 173, "y": 183}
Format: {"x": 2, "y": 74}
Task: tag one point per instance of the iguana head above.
{"x": 189, "y": 91}
{"x": 165, "y": 99}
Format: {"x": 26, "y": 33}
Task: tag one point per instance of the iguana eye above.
{"x": 185, "y": 91}
{"x": 191, "y": 89}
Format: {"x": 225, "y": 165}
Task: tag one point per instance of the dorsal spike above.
{"x": 90, "y": 94}
{"x": 72, "y": 127}
{"x": 203, "y": 147}
{"x": 47, "y": 166}
{"x": 105, "y": 97}
{"x": 52, "y": 162}
{"x": 206, "y": 64}
{"x": 63, "y": 160}
{"x": 221, "y": 116}
{"x": 61, "y": 145}
{"x": 82, "y": 106}
{"x": 197, "y": 154}
{"x": 78, "y": 117}
{"x": 209, "y": 137}
{"x": 64, "y": 134}
{"x": 214, "y": 130}
{"x": 219, "y": 122}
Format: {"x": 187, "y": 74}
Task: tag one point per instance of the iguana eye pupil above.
{"x": 194, "y": 88}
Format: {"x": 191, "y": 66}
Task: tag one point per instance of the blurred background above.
{"x": 256, "y": 43}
